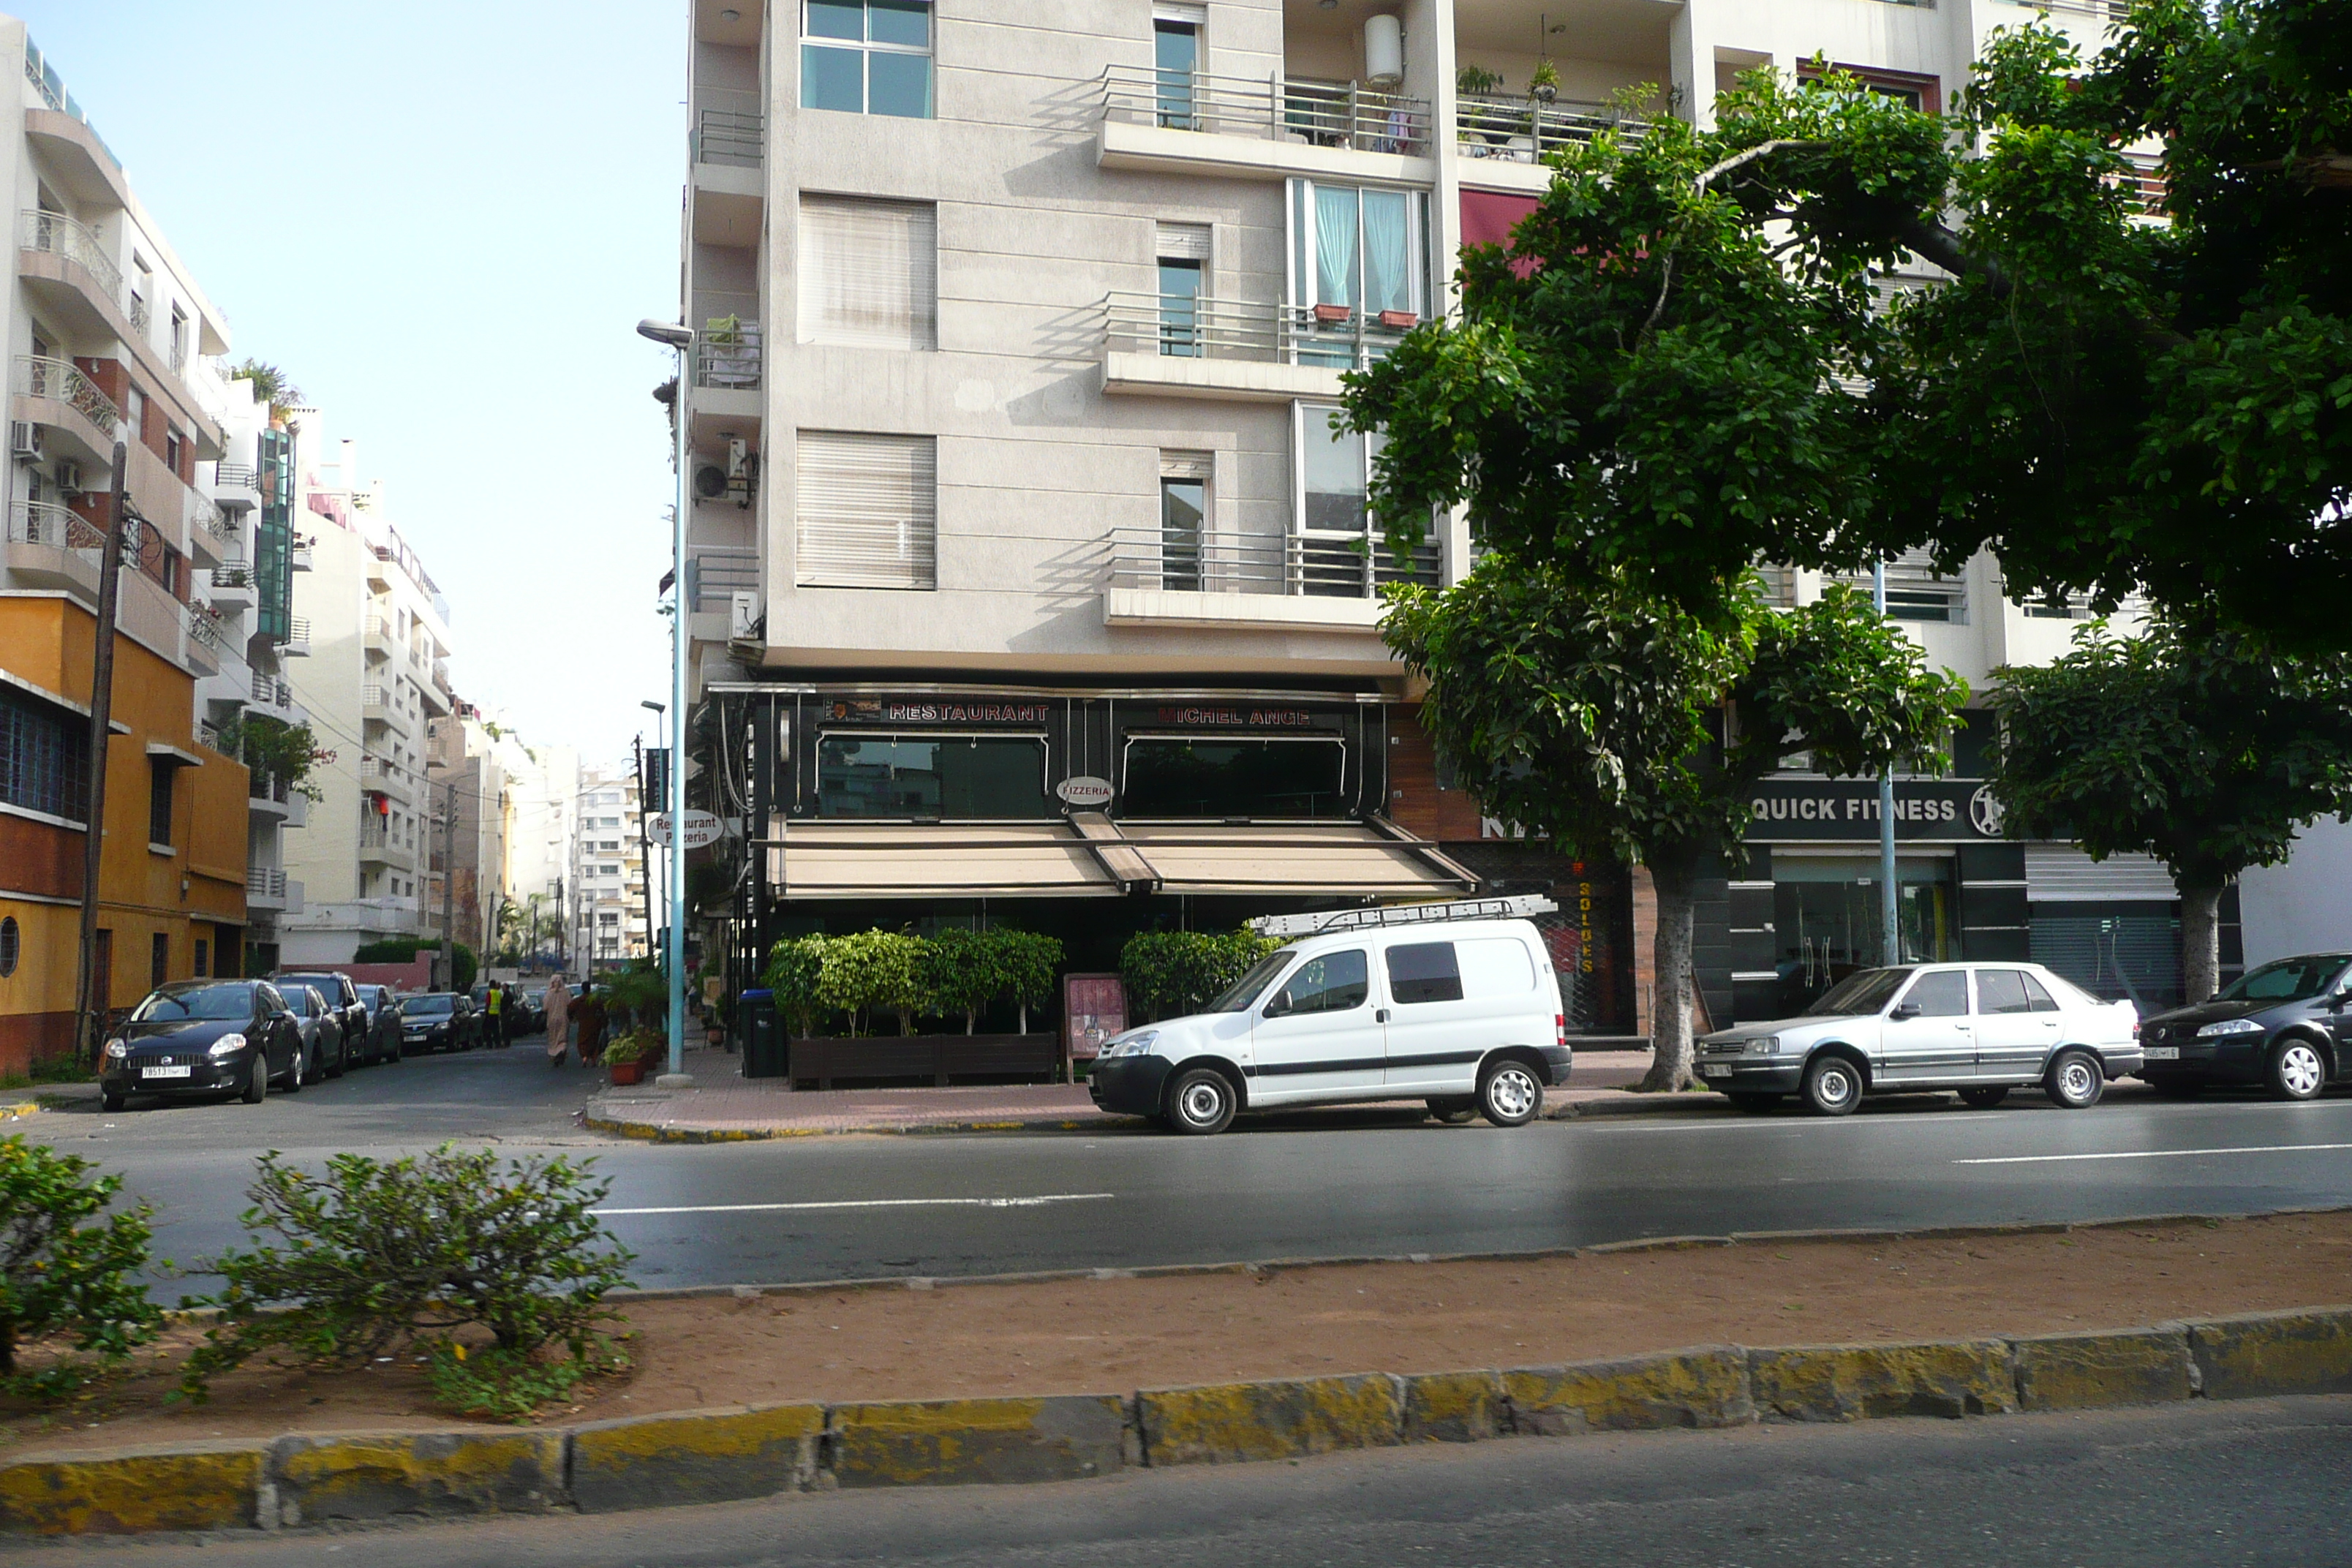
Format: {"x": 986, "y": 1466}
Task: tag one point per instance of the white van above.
{"x": 1454, "y": 1004}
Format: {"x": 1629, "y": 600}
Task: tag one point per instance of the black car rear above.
{"x": 2285, "y": 1027}
{"x": 343, "y": 998}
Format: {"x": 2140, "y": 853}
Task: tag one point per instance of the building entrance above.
{"x": 1825, "y": 918}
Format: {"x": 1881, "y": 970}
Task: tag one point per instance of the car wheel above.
{"x": 294, "y": 1074}
{"x": 391, "y": 1053}
{"x": 2075, "y": 1081}
{"x": 1985, "y": 1097}
{"x": 1511, "y": 1095}
{"x": 112, "y": 1098}
{"x": 1201, "y": 1102}
{"x": 1751, "y": 1098}
{"x": 1454, "y": 1110}
{"x": 335, "y": 1067}
{"x": 1832, "y": 1085}
{"x": 257, "y": 1083}
{"x": 2298, "y": 1070}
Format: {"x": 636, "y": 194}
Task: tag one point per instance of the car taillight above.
{"x": 1559, "y": 1028}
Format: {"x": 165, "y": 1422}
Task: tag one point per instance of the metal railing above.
{"x": 2143, "y": 185}
{"x": 1276, "y": 109}
{"x": 207, "y": 518}
{"x": 270, "y": 691}
{"x": 205, "y": 629}
{"x": 237, "y": 576}
{"x": 264, "y": 882}
{"x": 381, "y": 773}
{"x": 716, "y": 575}
{"x": 1530, "y": 130}
{"x": 1336, "y": 567}
{"x": 374, "y": 695}
{"x": 141, "y": 315}
{"x": 730, "y": 136}
{"x": 54, "y": 233}
{"x": 1916, "y": 591}
{"x": 441, "y": 675}
{"x": 298, "y": 630}
{"x": 40, "y": 376}
{"x": 728, "y": 362}
{"x": 262, "y": 786}
{"x": 60, "y": 527}
{"x": 235, "y": 476}
{"x": 1176, "y": 327}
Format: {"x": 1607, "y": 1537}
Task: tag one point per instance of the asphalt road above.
{"x": 2193, "y": 1486}
{"x": 1334, "y": 1184}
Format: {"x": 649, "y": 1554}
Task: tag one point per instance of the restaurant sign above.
{"x": 895, "y": 712}
{"x": 1788, "y": 811}
{"x": 1244, "y": 717}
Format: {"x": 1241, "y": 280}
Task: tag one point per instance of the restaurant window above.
{"x": 950, "y": 777}
{"x": 867, "y": 57}
{"x": 1244, "y": 776}
{"x": 44, "y": 757}
{"x": 869, "y": 272}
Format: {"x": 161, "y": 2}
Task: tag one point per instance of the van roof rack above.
{"x": 1517, "y": 907}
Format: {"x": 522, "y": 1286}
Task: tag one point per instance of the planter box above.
{"x": 925, "y": 1058}
{"x": 627, "y": 1072}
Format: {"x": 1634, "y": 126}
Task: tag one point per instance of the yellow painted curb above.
{"x": 2263, "y": 1353}
{"x": 2095, "y": 1371}
{"x": 194, "y": 1486}
{"x": 1455, "y": 1407}
{"x": 952, "y": 1442}
{"x": 695, "y": 1456}
{"x": 1706, "y": 1385}
{"x": 383, "y": 1474}
{"x": 1863, "y": 1383}
{"x": 19, "y": 1109}
{"x": 1233, "y": 1423}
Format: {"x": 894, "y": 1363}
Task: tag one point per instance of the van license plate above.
{"x": 166, "y": 1072}
{"x": 2163, "y": 1053}
{"x": 1714, "y": 1072}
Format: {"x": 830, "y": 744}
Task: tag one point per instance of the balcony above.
{"x": 1252, "y": 353}
{"x": 377, "y": 849}
{"x": 1265, "y": 582}
{"x": 729, "y": 134}
{"x": 376, "y": 639}
{"x": 1252, "y": 129}
{"x": 274, "y": 698}
{"x": 1511, "y": 139}
{"x": 728, "y": 362}
{"x": 296, "y": 643}
{"x": 232, "y": 589}
{"x": 299, "y": 558}
{"x": 387, "y": 777}
{"x": 237, "y": 487}
{"x": 727, "y": 150}
{"x": 55, "y": 393}
{"x": 265, "y": 888}
{"x": 380, "y": 705}
{"x": 66, "y": 267}
{"x": 211, "y": 535}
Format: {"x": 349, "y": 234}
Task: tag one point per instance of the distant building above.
{"x": 608, "y": 872}
{"x": 512, "y": 845}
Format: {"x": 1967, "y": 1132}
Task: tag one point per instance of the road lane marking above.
{"x": 1031, "y": 1202}
{"x": 2157, "y": 1153}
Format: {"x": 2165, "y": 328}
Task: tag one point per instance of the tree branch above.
{"x": 1707, "y": 178}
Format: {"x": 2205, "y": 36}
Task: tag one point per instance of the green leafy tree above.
{"x": 66, "y": 1268}
{"x": 1593, "y": 714}
{"x": 1169, "y": 973}
{"x": 794, "y": 974}
{"x": 964, "y": 971}
{"x": 2207, "y": 750}
{"x": 1032, "y": 963}
{"x": 871, "y": 971}
{"x": 272, "y": 386}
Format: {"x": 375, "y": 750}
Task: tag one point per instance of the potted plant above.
{"x": 1544, "y": 83}
{"x": 1477, "y": 81}
{"x": 627, "y": 1057}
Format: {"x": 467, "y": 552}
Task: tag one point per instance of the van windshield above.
{"x": 1857, "y": 993}
{"x": 1239, "y": 996}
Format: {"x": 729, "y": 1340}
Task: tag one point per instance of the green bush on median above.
{"x": 64, "y": 1272}
{"x": 495, "y": 1271}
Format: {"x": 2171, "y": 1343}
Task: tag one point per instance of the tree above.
{"x": 272, "y": 386}
{"x": 1589, "y": 712}
{"x": 964, "y": 971}
{"x": 2206, "y": 749}
{"x": 1031, "y": 961}
{"x": 68, "y": 1266}
{"x": 872, "y": 969}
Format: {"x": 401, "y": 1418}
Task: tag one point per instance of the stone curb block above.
{"x": 191, "y": 1487}
{"x": 1455, "y": 1407}
{"x": 2102, "y": 1370}
{"x": 1864, "y": 1383}
{"x": 956, "y": 1442}
{"x": 1234, "y": 1423}
{"x": 2307, "y": 1351}
{"x": 17, "y": 1109}
{"x": 1704, "y": 1386}
{"x": 695, "y": 1456}
{"x": 379, "y": 1476}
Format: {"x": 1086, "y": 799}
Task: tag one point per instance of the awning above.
{"x": 1089, "y": 856}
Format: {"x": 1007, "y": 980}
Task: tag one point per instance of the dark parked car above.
{"x": 323, "y": 1031}
{"x": 204, "y": 1036}
{"x": 2287, "y": 1027}
{"x": 384, "y": 1023}
{"x": 439, "y": 1021}
{"x": 351, "y": 1014}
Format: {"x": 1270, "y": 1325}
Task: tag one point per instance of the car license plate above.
{"x": 2163, "y": 1053}
{"x": 166, "y": 1072}
{"x": 1724, "y": 1071}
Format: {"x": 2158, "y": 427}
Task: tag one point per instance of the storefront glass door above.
{"x": 1826, "y": 919}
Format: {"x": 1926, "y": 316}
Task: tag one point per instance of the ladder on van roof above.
{"x": 1518, "y": 907}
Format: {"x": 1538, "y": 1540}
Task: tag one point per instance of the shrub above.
{"x": 1031, "y": 961}
{"x": 636, "y": 1045}
{"x": 795, "y": 966}
{"x": 61, "y": 1279}
{"x": 964, "y": 971}
{"x": 375, "y": 1256}
{"x": 874, "y": 969}
{"x": 642, "y": 988}
{"x": 1169, "y": 973}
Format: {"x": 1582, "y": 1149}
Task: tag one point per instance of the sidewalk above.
{"x": 722, "y": 1108}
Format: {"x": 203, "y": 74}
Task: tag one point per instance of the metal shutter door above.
{"x": 2059, "y": 873}
{"x": 869, "y": 273}
{"x": 868, "y": 512}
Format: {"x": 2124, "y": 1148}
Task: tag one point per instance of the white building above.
{"x": 513, "y": 838}
{"x": 608, "y": 871}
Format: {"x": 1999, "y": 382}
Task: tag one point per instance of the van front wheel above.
{"x": 1201, "y": 1102}
{"x": 1509, "y": 1095}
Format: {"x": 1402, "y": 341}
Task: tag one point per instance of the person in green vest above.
{"x": 497, "y": 1007}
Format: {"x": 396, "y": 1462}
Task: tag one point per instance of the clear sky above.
{"x": 444, "y": 221}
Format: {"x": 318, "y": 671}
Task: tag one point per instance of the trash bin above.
{"x": 764, "y": 1055}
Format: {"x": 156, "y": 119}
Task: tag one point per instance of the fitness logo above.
{"x": 1984, "y": 811}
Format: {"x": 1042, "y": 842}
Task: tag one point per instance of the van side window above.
{"x": 1424, "y": 972}
{"x": 1333, "y": 982}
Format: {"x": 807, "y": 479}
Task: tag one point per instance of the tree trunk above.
{"x": 1024, "y": 1017}
{"x": 2200, "y": 940}
{"x": 1670, "y": 1012}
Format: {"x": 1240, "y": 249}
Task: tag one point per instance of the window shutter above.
{"x": 869, "y": 273}
{"x": 1187, "y": 465}
{"x": 868, "y": 512}
{"x": 1183, "y": 242}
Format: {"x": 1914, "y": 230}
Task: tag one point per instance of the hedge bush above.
{"x": 64, "y": 1272}
{"x": 956, "y": 974}
{"x": 873, "y": 971}
{"x": 1171, "y": 972}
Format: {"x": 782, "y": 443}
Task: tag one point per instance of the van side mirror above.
{"x": 1280, "y": 1004}
{"x": 1905, "y": 1014}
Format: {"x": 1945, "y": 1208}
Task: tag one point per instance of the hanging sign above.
{"x": 702, "y": 829}
{"x": 1084, "y": 790}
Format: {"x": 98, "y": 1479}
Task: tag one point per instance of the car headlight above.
{"x": 1132, "y": 1045}
{"x": 1764, "y": 1046}
{"x": 229, "y": 1044}
{"x": 2229, "y": 1026}
{"x": 116, "y": 1050}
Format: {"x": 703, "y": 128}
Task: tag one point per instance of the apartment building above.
{"x": 608, "y": 871}
{"x": 373, "y": 671}
{"x": 511, "y": 848}
{"x": 109, "y": 338}
{"x": 1028, "y": 579}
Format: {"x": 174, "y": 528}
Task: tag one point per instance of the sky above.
{"x": 444, "y": 222}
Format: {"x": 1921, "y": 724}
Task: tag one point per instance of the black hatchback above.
{"x": 201, "y": 1036}
{"x": 2287, "y": 1027}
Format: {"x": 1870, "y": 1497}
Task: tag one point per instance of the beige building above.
{"x": 608, "y": 871}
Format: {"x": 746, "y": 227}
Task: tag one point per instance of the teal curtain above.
{"x": 1335, "y": 245}
{"x": 1388, "y": 270}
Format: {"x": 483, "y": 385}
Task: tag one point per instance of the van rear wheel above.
{"x": 1201, "y": 1102}
{"x": 1511, "y": 1095}
{"x": 1454, "y": 1110}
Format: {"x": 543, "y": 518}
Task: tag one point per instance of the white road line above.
{"x": 1037, "y": 1202}
{"x": 2157, "y": 1153}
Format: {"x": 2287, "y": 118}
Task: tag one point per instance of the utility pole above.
{"x": 1890, "y": 925}
{"x": 448, "y": 883}
{"x": 90, "y": 1029}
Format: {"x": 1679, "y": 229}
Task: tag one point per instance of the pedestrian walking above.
{"x": 591, "y": 1016}
{"x": 559, "y": 1021}
{"x": 496, "y": 1004}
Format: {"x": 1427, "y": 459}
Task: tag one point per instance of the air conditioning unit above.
{"x": 69, "y": 477}
{"x": 24, "y": 441}
{"x": 743, "y": 616}
{"x": 709, "y": 482}
{"x": 739, "y": 459}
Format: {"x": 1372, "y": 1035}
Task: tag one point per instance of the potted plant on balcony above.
{"x": 1543, "y": 85}
{"x": 1477, "y": 81}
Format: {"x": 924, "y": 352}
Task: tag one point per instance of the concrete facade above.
{"x": 608, "y": 871}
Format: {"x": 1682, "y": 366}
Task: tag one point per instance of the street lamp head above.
{"x": 657, "y": 707}
{"x": 675, "y": 334}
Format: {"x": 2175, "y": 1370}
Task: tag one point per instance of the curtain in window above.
{"x": 868, "y": 513}
{"x": 1335, "y": 245}
{"x": 869, "y": 272}
{"x": 1388, "y": 253}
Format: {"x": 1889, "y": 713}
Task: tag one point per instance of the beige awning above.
{"x": 1090, "y": 856}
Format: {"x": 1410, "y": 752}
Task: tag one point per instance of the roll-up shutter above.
{"x": 2059, "y": 873}
{"x": 1183, "y": 242}
{"x": 1197, "y": 466}
{"x": 869, "y": 272}
{"x": 868, "y": 512}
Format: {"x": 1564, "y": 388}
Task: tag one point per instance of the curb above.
{"x": 16, "y": 1111}
{"x": 743, "y": 1453}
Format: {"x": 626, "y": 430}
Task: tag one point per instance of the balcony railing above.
{"x": 60, "y": 527}
{"x": 1336, "y": 566}
{"x": 54, "y": 233}
{"x": 1276, "y": 109}
{"x": 141, "y": 314}
{"x": 271, "y": 692}
{"x": 209, "y": 520}
{"x": 729, "y": 361}
{"x": 264, "y": 787}
{"x": 235, "y": 476}
{"x": 264, "y": 882}
{"x": 204, "y": 627}
{"x": 2144, "y": 185}
{"x": 298, "y": 633}
{"x": 732, "y": 136}
{"x": 1916, "y": 591}
{"x": 381, "y": 773}
{"x": 1176, "y": 327}
{"x": 1530, "y": 130}
{"x": 38, "y": 376}
{"x": 373, "y": 695}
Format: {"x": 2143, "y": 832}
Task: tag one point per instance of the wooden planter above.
{"x": 925, "y": 1058}
{"x": 627, "y": 1072}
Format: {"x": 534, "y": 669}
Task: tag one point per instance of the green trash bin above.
{"x": 764, "y": 1052}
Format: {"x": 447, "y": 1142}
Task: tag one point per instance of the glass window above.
{"x": 1175, "y": 56}
{"x": 2002, "y": 991}
{"x": 1357, "y": 250}
{"x": 1334, "y": 469}
{"x": 2038, "y": 998}
{"x": 177, "y": 1004}
{"x": 1183, "y": 511}
{"x": 1177, "y": 777}
{"x": 1180, "y": 308}
{"x": 159, "y": 799}
{"x": 1856, "y": 994}
{"x": 867, "y": 57}
{"x": 1424, "y": 972}
{"x": 1941, "y": 994}
{"x": 2288, "y": 980}
{"x": 44, "y": 757}
{"x": 946, "y": 776}
{"x": 1334, "y": 983}
{"x": 1239, "y": 996}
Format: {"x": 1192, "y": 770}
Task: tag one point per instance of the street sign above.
{"x": 1082, "y": 790}
{"x": 701, "y": 829}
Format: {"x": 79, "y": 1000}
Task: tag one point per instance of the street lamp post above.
{"x": 1890, "y": 927}
{"x": 677, "y": 335}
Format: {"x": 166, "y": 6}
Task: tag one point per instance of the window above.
{"x": 173, "y": 446}
{"x": 44, "y": 756}
{"x": 2002, "y": 991}
{"x": 1182, "y": 776}
{"x": 203, "y": 964}
{"x": 951, "y": 777}
{"x": 1357, "y": 260}
{"x": 171, "y": 572}
{"x": 158, "y": 960}
{"x": 1337, "y": 556}
{"x": 1334, "y": 983}
{"x": 867, "y": 57}
{"x": 1941, "y": 994}
{"x": 179, "y": 337}
{"x": 1183, "y": 254}
{"x": 12, "y": 946}
{"x": 868, "y": 512}
{"x": 1175, "y": 58}
{"x": 1183, "y": 519}
{"x": 869, "y": 272}
{"x": 1424, "y": 972}
{"x": 160, "y": 770}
